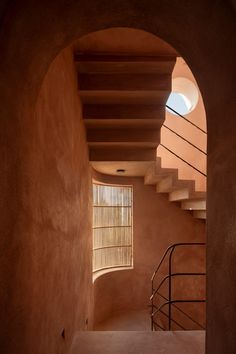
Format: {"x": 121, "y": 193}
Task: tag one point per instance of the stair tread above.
{"x": 143, "y": 342}
{"x": 194, "y": 204}
{"x": 124, "y": 123}
{"x": 199, "y": 214}
{"x": 124, "y": 97}
{"x": 110, "y": 63}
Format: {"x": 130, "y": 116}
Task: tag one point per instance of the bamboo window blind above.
{"x": 112, "y": 226}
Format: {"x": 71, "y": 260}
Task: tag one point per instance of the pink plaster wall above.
{"x": 187, "y": 131}
{"x": 61, "y": 211}
{"x": 52, "y": 250}
{"x": 157, "y": 224}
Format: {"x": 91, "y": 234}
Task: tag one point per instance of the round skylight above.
{"x": 184, "y": 96}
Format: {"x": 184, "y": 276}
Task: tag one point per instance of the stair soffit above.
{"x": 120, "y": 92}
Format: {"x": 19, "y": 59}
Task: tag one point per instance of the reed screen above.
{"x": 112, "y": 226}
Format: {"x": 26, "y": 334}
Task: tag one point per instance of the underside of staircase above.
{"x": 124, "y": 101}
{"x": 124, "y": 98}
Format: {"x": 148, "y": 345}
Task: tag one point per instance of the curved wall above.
{"x": 157, "y": 224}
{"x": 51, "y": 251}
{"x": 187, "y": 131}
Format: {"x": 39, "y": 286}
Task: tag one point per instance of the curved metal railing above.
{"x": 155, "y": 310}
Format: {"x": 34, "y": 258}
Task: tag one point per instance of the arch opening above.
{"x": 196, "y": 66}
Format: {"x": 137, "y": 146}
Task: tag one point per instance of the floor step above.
{"x": 132, "y": 342}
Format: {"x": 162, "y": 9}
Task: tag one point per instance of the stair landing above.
{"x": 179, "y": 342}
{"x": 133, "y": 320}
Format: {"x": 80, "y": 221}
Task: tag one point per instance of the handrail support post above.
{"x": 170, "y": 290}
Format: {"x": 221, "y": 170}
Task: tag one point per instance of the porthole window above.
{"x": 184, "y": 96}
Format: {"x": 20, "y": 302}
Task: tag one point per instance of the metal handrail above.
{"x": 174, "y": 275}
{"x": 174, "y": 246}
{"x": 180, "y": 310}
{"x": 186, "y": 140}
{"x": 189, "y": 164}
{"x": 176, "y": 322}
{"x": 176, "y": 301}
{"x": 159, "y": 309}
{"x": 170, "y": 250}
{"x": 186, "y": 119}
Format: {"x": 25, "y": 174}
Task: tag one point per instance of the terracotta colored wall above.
{"x": 52, "y": 251}
{"x": 32, "y": 34}
{"x": 157, "y": 224}
{"x": 187, "y": 131}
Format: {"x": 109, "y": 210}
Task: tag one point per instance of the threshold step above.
{"x": 132, "y": 342}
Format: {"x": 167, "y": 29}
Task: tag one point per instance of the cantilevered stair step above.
{"x": 186, "y": 192}
{"x": 124, "y": 111}
{"x": 144, "y": 97}
{"x": 194, "y": 204}
{"x": 123, "y": 124}
{"x": 199, "y": 214}
{"x": 181, "y": 184}
{"x": 179, "y": 194}
{"x": 155, "y": 172}
{"x": 155, "y": 175}
{"x": 136, "y": 137}
{"x": 123, "y": 101}
{"x": 127, "y": 153}
{"x": 124, "y": 82}
{"x": 165, "y": 185}
{"x": 135, "y": 64}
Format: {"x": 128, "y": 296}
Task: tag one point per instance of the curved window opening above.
{"x": 112, "y": 227}
{"x": 184, "y": 96}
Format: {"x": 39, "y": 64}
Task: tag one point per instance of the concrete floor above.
{"x": 126, "y": 321}
{"x": 182, "y": 342}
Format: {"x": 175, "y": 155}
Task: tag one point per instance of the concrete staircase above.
{"x": 124, "y": 99}
{"x": 182, "y": 191}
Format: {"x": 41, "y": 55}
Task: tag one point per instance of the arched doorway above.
{"x": 31, "y": 37}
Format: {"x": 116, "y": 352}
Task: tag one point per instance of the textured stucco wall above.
{"x": 61, "y": 209}
{"x": 188, "y": 132}
{"x": 157, "y": 224}
{"x": 31, "y": 35}
{"x": 52, "y": 253}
